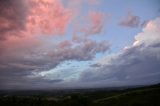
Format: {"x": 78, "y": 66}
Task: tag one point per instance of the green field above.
{"x": 144, "y": 96}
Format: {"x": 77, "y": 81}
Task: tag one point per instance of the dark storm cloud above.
{"x": 12, "y": 16}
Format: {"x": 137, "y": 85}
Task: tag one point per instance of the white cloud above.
{"x": 150, "y": 34}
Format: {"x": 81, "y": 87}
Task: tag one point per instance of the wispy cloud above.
{"x": 130, "y": 21}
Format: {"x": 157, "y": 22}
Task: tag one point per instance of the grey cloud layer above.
{"x": 137, "y": 64}
{"x": 25, "y": 60}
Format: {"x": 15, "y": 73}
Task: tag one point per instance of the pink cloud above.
{"x": 48, "y": 17}
{"x": 93, "y": 24}
{"x": 29, "y": 17}
{"x": 96, "y": 21}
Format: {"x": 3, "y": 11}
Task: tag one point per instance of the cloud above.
{"x": 25, "y": 48}
{"x": 48, "y": 17}
{"x": 23, "y": 56}
{"x": 37, "y": 52}
{"x": 144, "y": 23}
{"x": 94, "y": 1}
{"x": 96, "y": 21}
{"x": 136, "y": 64}
{"x": 12, "y": 17}
{"x": 27, "y": 51}
{"x": 130, "y": 21}
{"x": 29, "y": 17}
{"x": 150, "y": 34}
{"x": 93, "y": 24}
{"x": 79, "y": 3}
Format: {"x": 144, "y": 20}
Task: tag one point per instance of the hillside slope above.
{"x": 144, "y": 97}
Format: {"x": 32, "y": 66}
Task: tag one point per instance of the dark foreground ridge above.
{"x": 141, "y": 96}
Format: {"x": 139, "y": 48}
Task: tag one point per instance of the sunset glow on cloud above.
{"x": 78, "y": 43}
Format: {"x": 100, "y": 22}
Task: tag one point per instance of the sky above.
{"x": 50, "y": 44}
